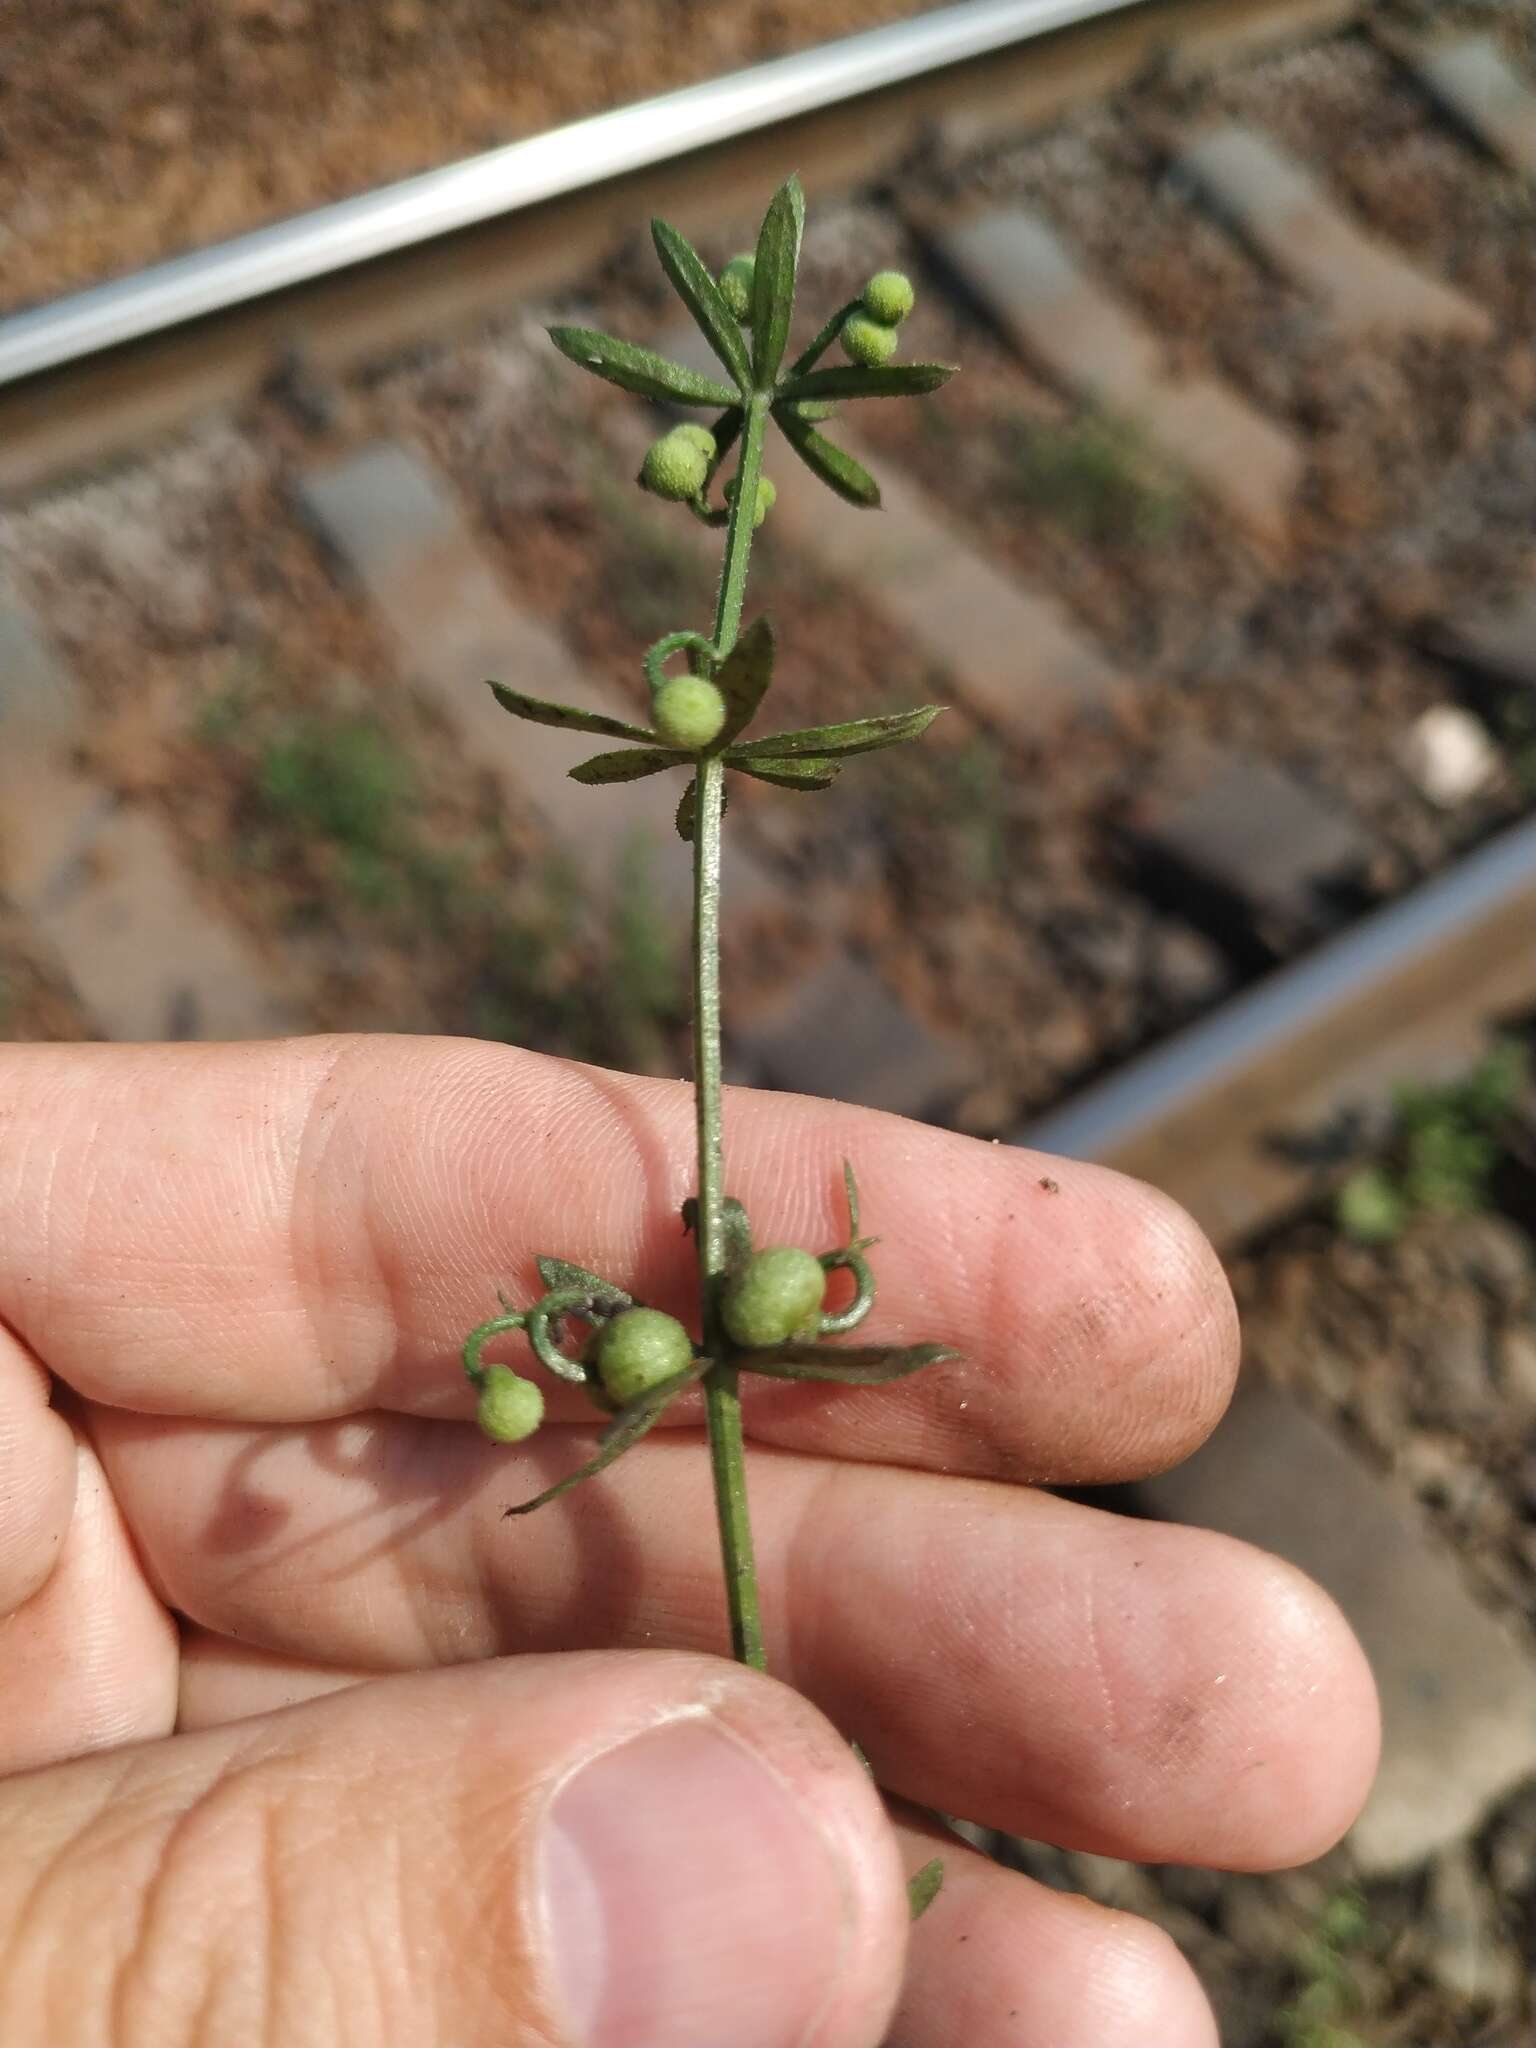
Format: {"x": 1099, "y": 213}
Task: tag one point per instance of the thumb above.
{"x": 596, "y": 1851}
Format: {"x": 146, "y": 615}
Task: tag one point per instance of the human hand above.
{"x": 251, "y": 1268}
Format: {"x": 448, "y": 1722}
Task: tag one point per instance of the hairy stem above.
{"x": 722, "y": 1401}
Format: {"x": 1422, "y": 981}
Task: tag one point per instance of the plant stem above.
{"x": 722, "y": 1400}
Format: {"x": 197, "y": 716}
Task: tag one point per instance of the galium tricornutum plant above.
{"x": 761, "y": 1311}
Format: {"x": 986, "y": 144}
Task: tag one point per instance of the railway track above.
{"x": 1182, "y": 873}
{"x": 1219, "y": 551}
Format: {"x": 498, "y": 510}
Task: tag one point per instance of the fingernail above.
{"x": 690, "y": 1897}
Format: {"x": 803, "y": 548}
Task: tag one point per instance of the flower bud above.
{"x": 736, "y": 285}
{"x": 777, "y": 1295}
{"x": 688, "y": 712}
{"x": 674, "y": 467}
{"x": 767, "y": 497}
{"x": 888, "y": 297}
{"x": 866, "y": 341}
{"x": 509, "y": 1408}
{"x": 641, "y": 1348}
{"x": 814, "y": 410}
{"x": 697, "y": 437}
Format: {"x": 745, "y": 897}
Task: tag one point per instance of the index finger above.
{"x": 304, "y": 1229}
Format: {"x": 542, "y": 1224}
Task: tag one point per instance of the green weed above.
{"x": 1445, "y": 1147}
{"x": 1096, "y": 476}
{"x": 1325, "y": 1993}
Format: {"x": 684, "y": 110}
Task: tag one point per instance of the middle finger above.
{"x": 1125, "y": 1687}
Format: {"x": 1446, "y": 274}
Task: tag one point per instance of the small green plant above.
{"x": 761, "y": 1311}
{"x": 1096, "y": 476}
{"x": 1325, "y": 1995}
{"x": 647, "y": 997}
{"x": 1445, "y": 1147}
{"x": 343, "y": 781}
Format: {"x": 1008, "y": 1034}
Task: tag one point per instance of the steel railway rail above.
{"x": 98, "y": 370}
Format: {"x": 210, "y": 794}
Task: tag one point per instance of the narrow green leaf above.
{"x": 743, "y": 677}
{"x": 923, "y": 1887}
{"x": 688, "y": 807}
{"x": 625, "y": 1431}
{"x": 858, "y": 736}
{"x": 855, "y": 380}
{"x": 851, "y": 1187}
{"x": 639, "y": 370}
{"x": 568, "y": 716}
{"x": 773, "y": 280}
{"x": 701, "y": 295}
{"x": 688, "y": 811}
{"x": 837, "y": 469}
{"x": 854, "y": 1365}
{"x": 812, "y": 772}
{"x": 629, "y": 766}
{"x": 558, "y": 1274}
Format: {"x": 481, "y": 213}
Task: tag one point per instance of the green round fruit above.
{"x": 697, "y": 437}
{"x": 888, "y": 297}
{"x": 736, "y": 285}
{"x": 767, "y": 498}
{"x": 641, "y": 1348}
{"x": 776, "y": 1296}
{"x": 866, "y": 341}
{"x": 674, "y": 467}
{"x": 688, "y": 712}
{"x": 509, "y": 1408}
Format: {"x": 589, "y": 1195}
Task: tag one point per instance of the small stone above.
{"x": 1463, "y": 1949}
{"x": 1498, "y": 1254}
{"x": 1437, "y": 1468}
{"x": 1256, "y": 1919}
{"x": 1187, "y": 969}
{"x": 1377, "y": 1407}
{"x": 1512, "y": 1847}
{"x": 1515, "y": 1365}
{"x": 1449, "y": 755}
{"x": 1195, "y": 1888}
{"x": 1459, "y": 1384}
{"x": 166, "y": 126}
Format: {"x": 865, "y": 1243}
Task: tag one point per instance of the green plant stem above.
{"x": 722, "y": 1400}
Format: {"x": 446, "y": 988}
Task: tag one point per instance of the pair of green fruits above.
{"x": 776, "y": 1296}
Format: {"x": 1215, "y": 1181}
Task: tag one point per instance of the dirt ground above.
{"x": 135, "y": 129}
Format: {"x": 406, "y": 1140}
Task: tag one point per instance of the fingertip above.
{"x": 1002, "y": 1959}
{"x": 1326, "y": 1727}
{"x": 1137, "y": 1968}
{"x": 1189, "y": 1294}
{"x": 1139, "y": 1349}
